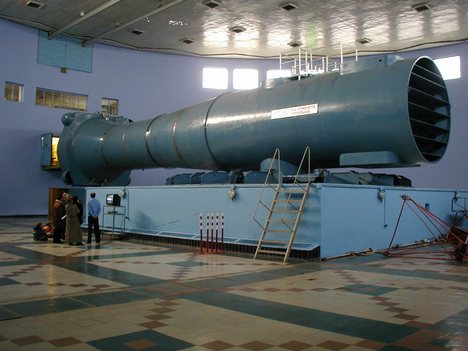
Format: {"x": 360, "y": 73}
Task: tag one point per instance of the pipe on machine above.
{"x": 387, "y": 115}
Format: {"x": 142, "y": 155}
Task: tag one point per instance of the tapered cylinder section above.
{"x": 387, "y": 115}
{"x": 125, "y": 146}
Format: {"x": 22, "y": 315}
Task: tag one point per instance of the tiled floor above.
{"x": 126, "y": 296}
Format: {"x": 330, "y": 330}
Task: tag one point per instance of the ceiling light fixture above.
{"x": 187, "y": 40}
{"x": 211, "y": 3}
{"x": 34, "y": 4}
{"x": 237, "y": 29}
{"x": 288, "y": 6}
{"x": 421, "y": 7}
{"x": 177, "y": 23}
{"x": 364, "y": 41}
{"x": 137, "y": 31}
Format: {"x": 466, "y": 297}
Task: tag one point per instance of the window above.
{"x": 215, "y": 78}
{"x": 278, "y": 73}
{"x": 245, "y": 79}
{"x": 61, "y": 99}
{"x": 13, "y": 92}
{"x": 449, "y": 67}
{"x": 109, "y": 106}
{"x": 74, "y": 102}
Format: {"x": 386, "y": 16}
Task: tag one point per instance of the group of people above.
{"x": 68, "y": 217}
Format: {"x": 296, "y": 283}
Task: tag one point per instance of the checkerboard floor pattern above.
{"x": 129, "y": 296}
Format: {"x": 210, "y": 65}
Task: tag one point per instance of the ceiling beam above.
{"x": 83, "y": 18}
{"x": 133, "y": 21}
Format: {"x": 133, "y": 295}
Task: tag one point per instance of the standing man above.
{"x": 94, "y": 210}
{"x": 59, "y": 220}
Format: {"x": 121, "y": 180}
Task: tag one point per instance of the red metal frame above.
{"x": 454, "y": 237}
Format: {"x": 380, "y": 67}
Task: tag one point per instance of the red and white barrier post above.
{"x": 211, "y": 225}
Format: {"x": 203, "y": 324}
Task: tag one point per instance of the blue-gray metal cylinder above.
{"x": 389, "y": 115}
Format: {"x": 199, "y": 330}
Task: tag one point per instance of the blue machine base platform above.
{"x": 337, "y": 219}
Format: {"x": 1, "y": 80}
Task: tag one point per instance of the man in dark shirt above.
{"x": 94, "y": 209}
{"x": 59, "y": 220}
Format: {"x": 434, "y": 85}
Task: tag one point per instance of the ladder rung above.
{"x": 283, "y": 220}
{"x": 278, "y": 211}
{"x": 292, "y": 191}
{"x": 289, "y": 200}
{"x": 282, "y": 242}
{"x": 278, "y": 230}
{"x": 272, "y": 252}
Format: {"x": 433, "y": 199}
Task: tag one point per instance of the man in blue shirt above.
{"x": 94, "y": 210}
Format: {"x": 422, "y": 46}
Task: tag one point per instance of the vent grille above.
{"x": 429, "y": 109}
{"x": 212, "y": 3}
{"x": 289, "y": 6}
{"x": 137, "y": 31}
{"x": 187, "y": 40}
{"x": 421, "y": 7}
{"x": 294, "y": 44}
{"x": 237, "y": 29}
{"x": 364, "y": 41}
{"x": 34, "y": 4}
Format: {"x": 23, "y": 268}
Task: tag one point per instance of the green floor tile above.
{"x": 7, "y": 281}
{"x": 6, "y": 314}
{"x": 395, "y": 348}
{"x": 110, "y": 298}
{"x": 187, "y": 264}
{"x": 333, "y": 322}
{"x": 147, "y": 340}
{"x": 366, "y": 289}
{"x": 36, "y": 308}
{"x": 117, "y": 276}
{"x": 148, "y": 292}
{"x": 442, "y": 343}
{"x": 410, "y": 273}
{"x": 127, "y": 255}
{"x": 456, "y": 323}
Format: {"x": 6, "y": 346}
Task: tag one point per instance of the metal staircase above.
{"x": 285, "y": 209}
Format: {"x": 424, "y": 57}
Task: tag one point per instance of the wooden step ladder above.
{"x": 284, "y": 211}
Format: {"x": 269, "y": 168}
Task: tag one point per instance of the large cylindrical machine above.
{"x": 386, "y": 115}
